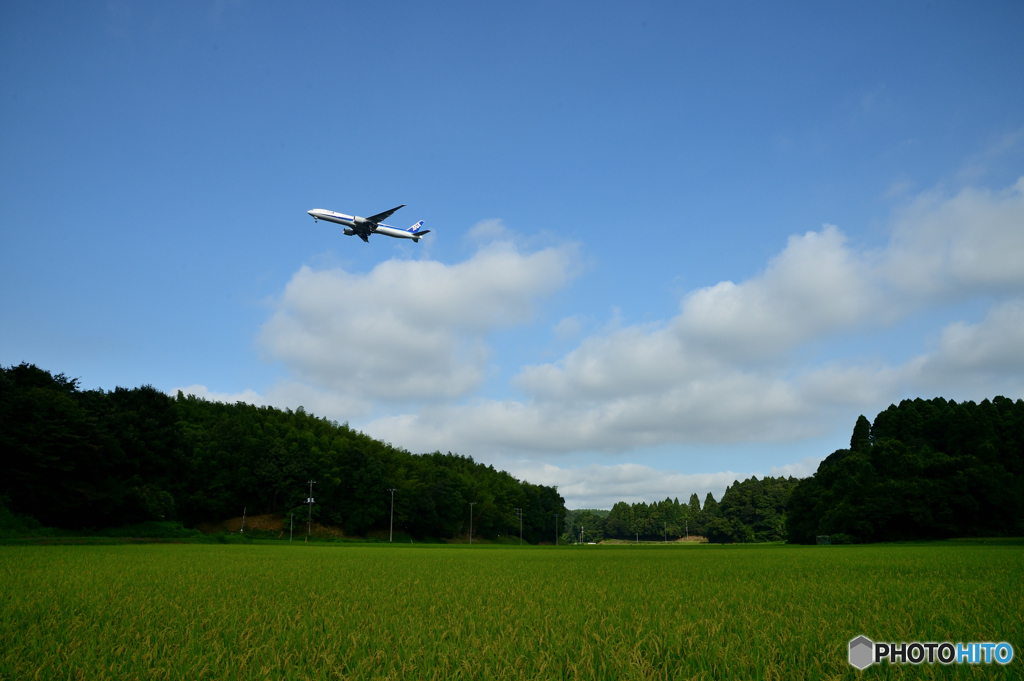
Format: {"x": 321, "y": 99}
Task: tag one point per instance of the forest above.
{"x": 93, "y": 458}
{"x": 926, "y": 469}
{"x": 82, "y": 459}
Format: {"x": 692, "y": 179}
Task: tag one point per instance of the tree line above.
{"x": 92, "y": 458}
{"x": 750, "y": 511}
{"x": 72, "y": 458}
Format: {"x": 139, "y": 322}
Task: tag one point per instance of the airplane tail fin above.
{"x": 415, "y": 231}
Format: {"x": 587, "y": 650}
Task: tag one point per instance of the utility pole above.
{"x": 471, "y": 522}
{"x": 556, "y": 529}
{"x": 687, "y": 530}
{"x": 581, "y": 535}
{"x": 243, "y": 520}
{"x": 391, "y": 534}
{"x": 309, "y": 528}
{"x": 519, "y": 514}
{"x": 291, "y": 530}
{"x": 666, "y": 531}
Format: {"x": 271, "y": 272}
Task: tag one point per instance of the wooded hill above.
{"x": 927, "y": 469}
{"x": 92, "y": 458}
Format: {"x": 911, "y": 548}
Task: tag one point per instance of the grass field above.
{"x": 597, "y": 612}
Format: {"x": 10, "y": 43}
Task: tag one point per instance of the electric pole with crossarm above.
{"x": 309, "y": 527}
{"x": 391, "y": 534}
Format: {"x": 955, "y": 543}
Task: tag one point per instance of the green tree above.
{"x": 861, "y": 438}
{"x": 930, "y": 469}
{"x": 80, "y": 458}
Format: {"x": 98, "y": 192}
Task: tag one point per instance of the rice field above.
{"x": 298, "y": 611}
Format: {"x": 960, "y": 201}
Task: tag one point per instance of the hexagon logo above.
{"x": 862, "y": 652}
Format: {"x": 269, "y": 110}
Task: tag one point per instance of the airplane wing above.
{"x": 364, "y": 236}
{"x": 381, "y": 217}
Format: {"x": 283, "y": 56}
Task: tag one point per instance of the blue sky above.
{"x": 674, "y": 244}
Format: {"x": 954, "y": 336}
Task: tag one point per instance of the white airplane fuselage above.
{"x": 354, "y": 225}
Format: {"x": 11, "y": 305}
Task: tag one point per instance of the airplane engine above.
{"x": 349, "y": 231}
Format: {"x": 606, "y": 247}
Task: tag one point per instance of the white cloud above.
{"x": 996, "y": 344}
{"x": 602, "y": 486}
{"x": 728, "y": 367}
{"x": 816, "y": 286}
{"x": 290, "y": 394}
{"x": 329, "y": 403}
{"x": 597, "y": 486}
{"x": 408, "y": 329}
{"x": 568, "y": 328}
{"x": 201, "y": 391}
{"x": 734, "y": 407}
{"x": 801, "y": 469}
{"x": 488, "y": 231}
{"x": 951, "y": 248}
{"x": 898, "y": 188}
{"x": 970, "y": 361}
{"x": 978, "y": 357}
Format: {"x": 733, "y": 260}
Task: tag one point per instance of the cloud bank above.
{"x": 730, "y": 366}
{"x": 602, "y": 486}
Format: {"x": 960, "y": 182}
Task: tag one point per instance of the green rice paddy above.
{"x": 312, "y": 611}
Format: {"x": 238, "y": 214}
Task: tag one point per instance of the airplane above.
{"x": 364, "y": 227}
